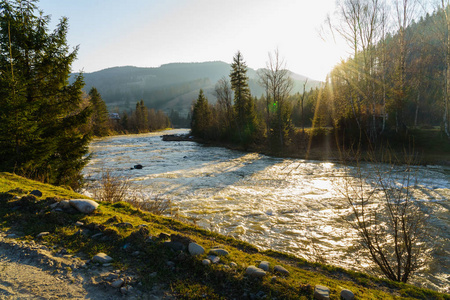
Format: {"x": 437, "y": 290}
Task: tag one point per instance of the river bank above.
{"x": 291, "y": 205}
{"x": 154, "y": 263}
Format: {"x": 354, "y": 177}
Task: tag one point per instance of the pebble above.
{"x": 214, "y": 259}
{"x": 112, "y": 277}
{"x": 321, "y": 292}
{"x": 347, "y": 295}
{"x": 97, "y": 235}
{"x": 170, "y": 263}
{"x": 281, "y": 270}
{"x": 264, "y": 265}
{"x": 118, "y": 283}
{"x": 102, "y": 258}
{"x": 36, "y": 193}
{"x": 219, "y": 252}
{"x": 206, "y": 262}
{"x": 255, "y": 272}
{"x": 233, "y": 264}
{"x": 154, "y": 274}
{"x": 78, "y": 223}
{"x": 42, "y": 234}
{"x": 195, "y": 249}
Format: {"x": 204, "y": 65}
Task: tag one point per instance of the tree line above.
{"x": 239, "y": 117}
{"x": 397, "y": 78}
{"x": 397, "y": 81}
{"x": 140, "y": 120}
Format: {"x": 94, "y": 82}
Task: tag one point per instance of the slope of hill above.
{"x": 172, "y": 86}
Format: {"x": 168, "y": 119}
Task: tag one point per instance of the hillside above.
{"x": 131, "y": 236}
{"x": 172, "y": 86}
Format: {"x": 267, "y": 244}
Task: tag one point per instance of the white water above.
{"x": 290, "y": 205}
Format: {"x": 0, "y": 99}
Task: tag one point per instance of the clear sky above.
{"x": 148, "y": 33}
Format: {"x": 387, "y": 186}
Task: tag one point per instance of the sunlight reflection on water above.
{"x": 291, "y": 205}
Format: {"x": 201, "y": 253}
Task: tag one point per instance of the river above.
{"x": 291, "y": 205}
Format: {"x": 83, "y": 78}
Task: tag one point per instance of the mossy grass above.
{"x": 188, "y": 278}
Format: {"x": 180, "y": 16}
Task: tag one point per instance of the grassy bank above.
{"x": 185, "y": 276}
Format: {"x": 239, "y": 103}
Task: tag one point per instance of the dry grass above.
{"x": 113, "y": 188}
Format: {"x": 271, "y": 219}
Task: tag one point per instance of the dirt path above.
{"x": 31, "y": 271}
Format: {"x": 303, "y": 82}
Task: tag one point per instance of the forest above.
{"x": 393, "y": 90}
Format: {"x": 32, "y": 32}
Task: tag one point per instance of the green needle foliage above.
{"x": 42, "y": 118}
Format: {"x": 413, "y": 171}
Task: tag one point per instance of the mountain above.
{"x": 171, "y": 86}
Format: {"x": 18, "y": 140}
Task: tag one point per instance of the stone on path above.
{"x": 347, "y": 295}
{"x": 84, "y": 206}
{"x": 195, "y": 249}
{"x": 321, "y": 292}
{"x": 117, "y": 283}
{"x": 281, "y": 270}
{"x": 102, "y": 258}
{"x": 255, "y": 272}
{"x": 264, "y": 265}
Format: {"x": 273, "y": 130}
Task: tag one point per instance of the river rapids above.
{"x": 290, "y": 205}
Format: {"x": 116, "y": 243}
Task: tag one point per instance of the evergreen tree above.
{"x": 201, "y": 117}
{"x": 100, "y": 117}
{"x": 141, "y": 117}
{"x": 243, "y": 103}
{"x": 41, "y": 116}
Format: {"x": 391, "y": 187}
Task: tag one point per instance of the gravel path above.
{"x": 31, "y": 271}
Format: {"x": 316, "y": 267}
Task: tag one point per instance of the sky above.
{"x": 149, "y": 33}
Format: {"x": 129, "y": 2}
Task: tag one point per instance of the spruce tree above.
{"x": 41, "y": 116}
{"x": 100, "y": 117}
{"x": 201, "y": 117}
{"x": 244, "y": 105}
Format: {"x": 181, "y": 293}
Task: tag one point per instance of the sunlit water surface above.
{"x": 290, "y": 205}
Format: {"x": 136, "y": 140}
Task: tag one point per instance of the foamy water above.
{"x": 291, "y": 205}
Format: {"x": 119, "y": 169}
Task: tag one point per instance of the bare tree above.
{"x": 405, "y": 12}
{"x": 389, "y": 224}
{"x": 445, "y": 6}
{"x": 302, "y": 100}
{"x": 224, "y": 96}
{"x": 361, "y": 23}
{"x": 278, "y": 85}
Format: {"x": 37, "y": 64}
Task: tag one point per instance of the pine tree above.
{"x": 201, "y": 117}
{"x": 244, "y": 105}
{"x": 100, "y": 117}
{"x": 41, "y": 116}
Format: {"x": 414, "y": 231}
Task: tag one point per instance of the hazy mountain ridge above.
{"x": 170, "y": 86}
